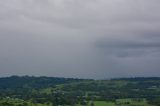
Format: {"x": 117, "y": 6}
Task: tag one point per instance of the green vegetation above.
{"x": 51, "y": 91}
{"x": 103, "y": 103}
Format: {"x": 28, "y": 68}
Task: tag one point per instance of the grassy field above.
{"x": 135, "y": 102}
{"x": 100, "y": 103}
{"x": 103, "y": 103}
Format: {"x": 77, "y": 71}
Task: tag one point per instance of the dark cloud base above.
{"x": 85, "y": 39}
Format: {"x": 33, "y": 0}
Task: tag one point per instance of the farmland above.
{"x": 52, "y": 91}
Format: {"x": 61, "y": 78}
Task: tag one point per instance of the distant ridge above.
{"x": 14, "y": 82}
{"x": 138, "y": 78}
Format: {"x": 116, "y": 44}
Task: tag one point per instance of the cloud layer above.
{"x": 80, "y": 38}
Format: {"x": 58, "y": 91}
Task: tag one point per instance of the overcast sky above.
{"x": 80, "y": 38}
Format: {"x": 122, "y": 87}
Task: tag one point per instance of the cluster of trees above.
{"x": 13, "y": 104}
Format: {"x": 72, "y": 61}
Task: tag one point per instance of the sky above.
{"x": 80, "y": 38}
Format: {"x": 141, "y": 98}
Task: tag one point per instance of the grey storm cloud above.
{"x": 80, "y": 38}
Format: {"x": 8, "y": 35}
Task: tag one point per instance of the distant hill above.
{"x": 14, "y": 82}
{"x": 18, "y": 82}
{"x": 138, "y": 78}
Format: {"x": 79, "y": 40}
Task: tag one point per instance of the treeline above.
{"x": 26, "y": 87}
{"x": 15, "y": 82}
{"x": 138, "y": 78}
